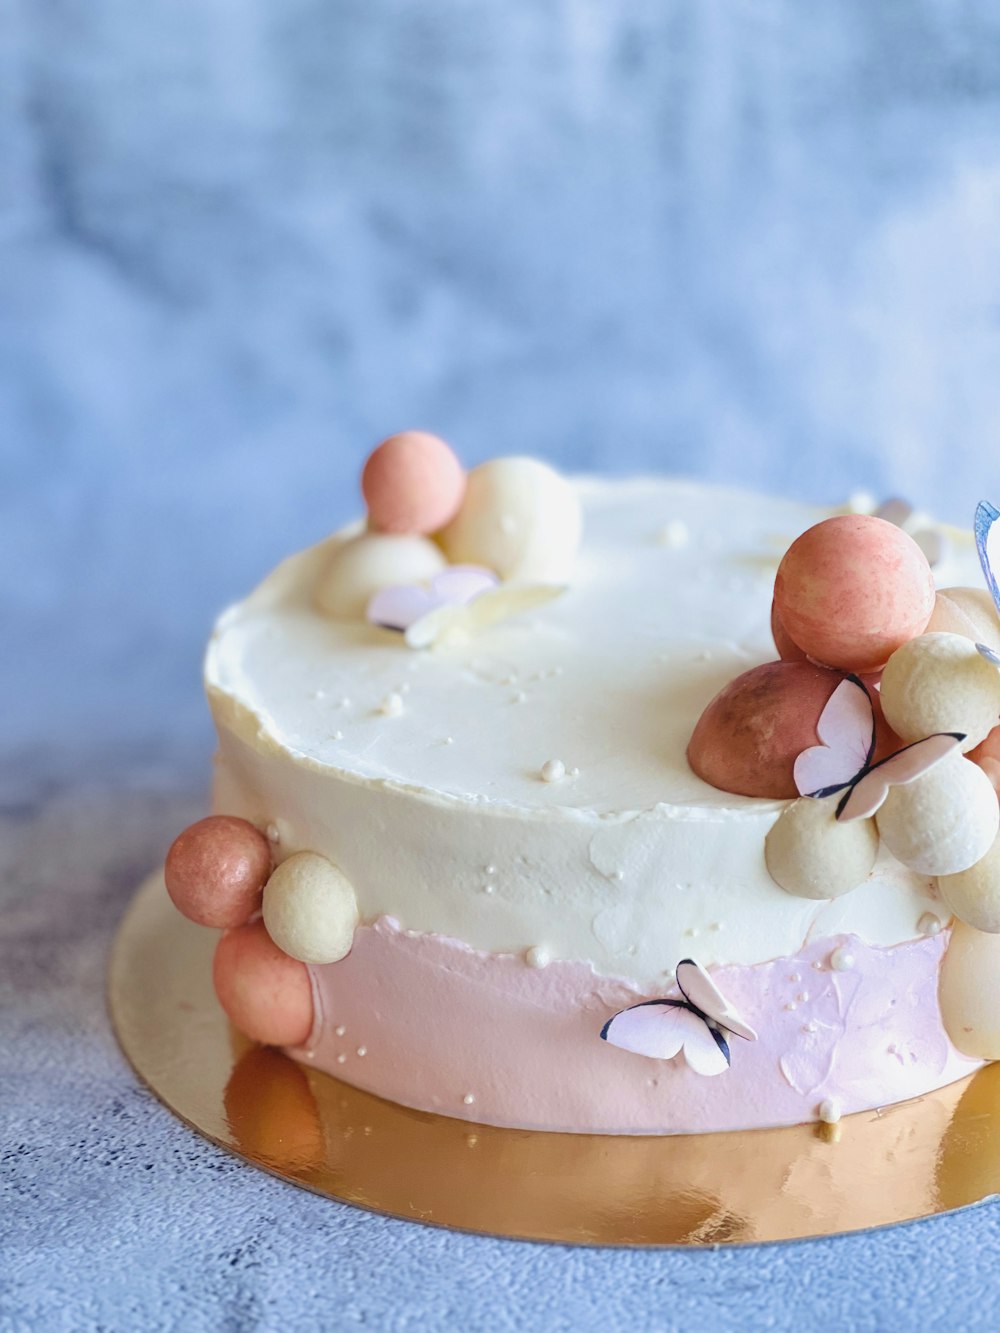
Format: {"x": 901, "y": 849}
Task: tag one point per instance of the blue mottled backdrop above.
{"x": 240, "y": 240}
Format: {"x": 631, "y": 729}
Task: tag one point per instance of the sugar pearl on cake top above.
{"x": 842, "y": 960}
{"x": 829, "y": 1110}
{"x": 553, "y": 770}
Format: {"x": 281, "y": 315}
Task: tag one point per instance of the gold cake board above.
{"x": 918, "y": 1159}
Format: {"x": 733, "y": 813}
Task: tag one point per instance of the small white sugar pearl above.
{"x": 829, "y": 1110}
{"x": 553, "y": 770}
{"x": 391, "y": 705}
{"x": 929, "y": 924}
{"x": 537, "y": 956}
{"x": 468, "y": 1099}
{"x": 674, "y": 535}
{"x": 842, "y": 960}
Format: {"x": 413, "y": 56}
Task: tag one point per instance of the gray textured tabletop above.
{"x": 238, "y": 244}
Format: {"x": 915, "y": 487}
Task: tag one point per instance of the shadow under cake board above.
{"x": 917, "y": 1159}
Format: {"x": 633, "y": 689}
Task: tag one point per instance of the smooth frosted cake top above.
{"x": 670, "y": 599}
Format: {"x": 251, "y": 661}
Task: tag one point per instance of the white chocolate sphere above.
{"x": 519, "y": 518}
{"x": 362, "y": 565}
{"x": 812, "y": 854}
{"x": 974, "y": 894}
{"x": 966, "y": 611}
{"x": 968, "y": 990}
{"x": 939, "y": 682}
{"x": 310, "y": 909}
{"x": 943, "y": 822}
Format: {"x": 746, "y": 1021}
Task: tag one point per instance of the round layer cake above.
{"x": 532, "y": 853}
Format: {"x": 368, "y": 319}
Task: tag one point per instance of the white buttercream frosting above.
{"x": 629, "y": 861}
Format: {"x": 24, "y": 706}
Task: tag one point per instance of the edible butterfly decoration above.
{"x": 454, "y": 605}
{"x": 696, "y": 1024}
{"x": 842, "y": 762}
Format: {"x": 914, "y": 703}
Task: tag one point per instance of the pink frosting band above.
{"x": 436, "y": 1025}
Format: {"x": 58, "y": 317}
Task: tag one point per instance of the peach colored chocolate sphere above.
{"x": 788, "y": 651}
{"x": 853, "y": 589}
{"x": 216, "y": 871}
{"x": 412, "y": 483}
{"x": 749, "y": 736}
{"x": 265, "y": 993}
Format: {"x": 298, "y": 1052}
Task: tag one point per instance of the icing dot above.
{"x": 929, "y": 924}
{"x": 490, "y": 869}
{"x": 391, "y": 705}
{"x": 829, "y": 1110}
{"x": 469, "y": 1098}
{"x": 553, "y": 770}
{"x": 841, "y": 960}
{"x": 674, "y": 534}
{"x": 341, "y": 1059}
{"x": 340, "y": 1030}
{"x": 362, "y": 1050}
{"x": 537, "y": 956}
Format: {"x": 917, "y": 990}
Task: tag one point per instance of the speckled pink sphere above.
{"x": 216, "y": 871}
{"x": 266, "y": 994}
{"x": 412, "y": 483}
{"x": 788, "y": 651}
{"x": 853, "y": 589}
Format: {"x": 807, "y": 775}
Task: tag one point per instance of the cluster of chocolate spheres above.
{"x": 515, "y": 517}
{"x": 220, "y": 872}
{"x": 854, "y": 595}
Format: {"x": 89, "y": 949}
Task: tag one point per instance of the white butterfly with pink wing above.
{"x": 696, "y": 1024}
{"x": 842, "y": 762}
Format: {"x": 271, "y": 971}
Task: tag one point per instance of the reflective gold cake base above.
{"x": 924, "y": 1157}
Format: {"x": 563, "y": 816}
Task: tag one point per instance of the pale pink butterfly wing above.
{"x": 656, "y": 1029}
{"x": 699, "y": 989}
{"x": 906, "y": 765}
{"x": 846, "y": 729}
{"x": 399, "y": 606}
{"x": 459, "y": 584}
{"x": 703, "y": 1053}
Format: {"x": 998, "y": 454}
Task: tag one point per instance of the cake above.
{"x": 472, "y": 850}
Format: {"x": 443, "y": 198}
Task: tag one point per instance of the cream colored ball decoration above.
{"x": 974, "y": 894}
{"x": 940, "y": 682}
{"x": 966, "y": 611}
{"x": 969, "y": 992}
{"x": 360, "y": 566}
{"x": 310, "y": 909}
{"x": 812, "y": 854}
{"x": 519, "y": 518}
{"x": 943, "y": 822}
